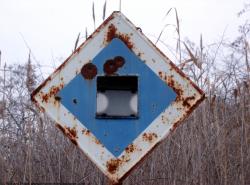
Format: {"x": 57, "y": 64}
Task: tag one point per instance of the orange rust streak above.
{"x": 186, "y": 102}
{"x": 53, "y": 91}
{"x": 149, "y": 136}
{"x": 39, "y": 88}
{"x": 97, "y": 141}
{"x": 130, "y": 148}
{"x": 112, "y": 33}
{"x": 71, "y": 133}
{"x": 86, "y": 132}
{"x": 171, "y": 83}
{"x": 189, "y": 111}
{"x": 113, "y": 165}
{"x": 38, "y": 106}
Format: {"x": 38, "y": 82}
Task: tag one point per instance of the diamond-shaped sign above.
{"x": 117, "y": 96}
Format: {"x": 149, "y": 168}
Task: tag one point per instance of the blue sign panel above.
{"x": 79, "y": 96}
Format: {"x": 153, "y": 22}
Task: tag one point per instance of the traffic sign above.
{"x": 117, "y": 96}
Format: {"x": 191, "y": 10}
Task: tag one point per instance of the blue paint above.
{"x": 117, "y": 134}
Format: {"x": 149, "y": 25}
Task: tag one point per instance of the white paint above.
{"x": 117, "y": 103}
{"x": 102, "y": 103}
{"x": 134, "y": 103}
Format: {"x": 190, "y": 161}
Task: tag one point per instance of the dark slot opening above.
{"x": 117, "y": 97}
{"x": 126, "y": 83}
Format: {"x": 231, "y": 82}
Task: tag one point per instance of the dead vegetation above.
{"x": 211, "y": 147}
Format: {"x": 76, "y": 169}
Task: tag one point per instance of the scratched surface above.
{"x": 165, "y": 97}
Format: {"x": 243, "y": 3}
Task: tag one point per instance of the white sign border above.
{"x": 188, "y": 97}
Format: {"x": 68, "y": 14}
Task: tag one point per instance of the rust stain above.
{"x": 188, "y": 112}
{"x": 97, "y": 141}
{"x": 112, "y": 65}
{"x": 112, "y": 33}
{"x": 52, "y": 92}
{"x": 109, "y": 67}
{"x": 39, "y": 88}
{"x": 113, "y": 165}
{"x": 71, "y": 133}
{"x": 89, "y": 71}
{"x": 195, "y": 105}
{"x": 119, "y": 61}
{"x": 130, "y": 148}
{"x": 38, "y": 106}
{"x": 149, "y": 136}
{"x": 171, "y": 83}
{"x": 104, "y": 23}
{"x": 186, "y": 101}
{"x": 60, "y": 127}
{"x": 176, "y": 124}
{"x": 86, "y": 132}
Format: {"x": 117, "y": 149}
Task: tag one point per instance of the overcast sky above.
{"x": 50, "y": 27}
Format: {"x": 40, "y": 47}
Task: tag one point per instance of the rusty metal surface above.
{"x": 89, "y": 71}
{"x": 112, "y": 65}
{"x": 80, "y": 62}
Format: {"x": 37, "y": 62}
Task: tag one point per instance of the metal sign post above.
{"x": 117, "y": 97}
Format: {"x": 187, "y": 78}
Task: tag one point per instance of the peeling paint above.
{"x": 52, "y": 92}
{"x": 113, "y": 165}
{"x": 86, "y": 132}
{"x": 130, "y": 148}
{"x": 149, "y": 137}
{"x": 113, "y": 33}
{"x": 71, "y": 133}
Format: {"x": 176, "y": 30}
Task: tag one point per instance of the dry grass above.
{"x": 211, "y": 147}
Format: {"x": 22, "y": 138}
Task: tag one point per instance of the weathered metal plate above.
{"x": 164, "y": 97}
